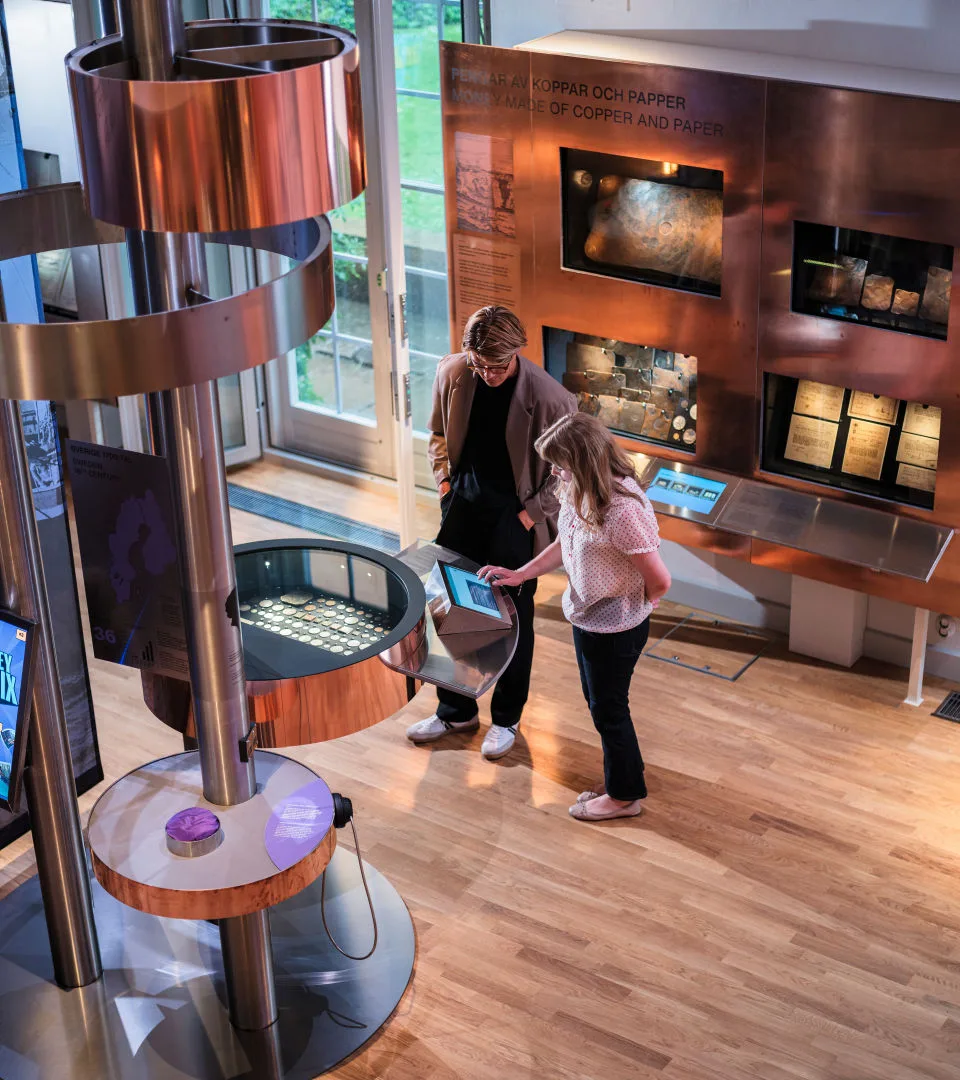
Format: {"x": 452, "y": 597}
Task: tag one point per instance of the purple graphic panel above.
{"x": 298, "y": 824}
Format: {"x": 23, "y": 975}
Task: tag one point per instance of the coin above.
{"x": 297, "y": 598}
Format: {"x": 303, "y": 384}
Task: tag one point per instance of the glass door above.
{"x": 239, "y": 417}
{"x": 331, "y": 398}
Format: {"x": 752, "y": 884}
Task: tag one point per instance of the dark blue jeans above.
{"x": 606, "y": 667}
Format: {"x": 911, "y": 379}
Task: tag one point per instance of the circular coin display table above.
{"x": 315, "y": 617}
{"x": 272, "y": 846}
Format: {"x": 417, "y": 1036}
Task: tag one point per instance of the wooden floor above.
{"x": 788, "y": 905}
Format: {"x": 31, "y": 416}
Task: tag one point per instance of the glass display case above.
{"x": 656, "y": 222}
{"x": 635, "y": 390}
{"x": 307, "y": 608}
{"x": 851, "y": 439}
{"x": 872, "y": 279}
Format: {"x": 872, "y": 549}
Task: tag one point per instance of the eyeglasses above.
{"x": 489, "y": 369}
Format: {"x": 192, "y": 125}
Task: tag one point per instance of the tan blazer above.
{"x": 538, "y": 400}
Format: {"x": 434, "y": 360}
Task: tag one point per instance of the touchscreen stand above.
{"x": 461, "y": 603}
{"x": 16, "y": 691}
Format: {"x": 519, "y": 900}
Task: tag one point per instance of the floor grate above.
{"x": 321, "y": 522}
{"x": 949, "y": 708}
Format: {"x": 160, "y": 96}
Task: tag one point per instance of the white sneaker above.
{"x": 433, "y": 728}
{"x": 498, "y": 741}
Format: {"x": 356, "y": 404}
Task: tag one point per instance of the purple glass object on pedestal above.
{"x": 192, "y": 832}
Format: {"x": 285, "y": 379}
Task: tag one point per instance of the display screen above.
{"x": 14, "y": 697}
{"x": 686, "y": 490}
{"x": 468, "y": 591}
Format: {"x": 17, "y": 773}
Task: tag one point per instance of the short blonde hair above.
{"x": 494, "y": 332}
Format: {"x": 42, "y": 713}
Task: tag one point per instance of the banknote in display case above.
{"x": 865, "y": 449}
{"x": 918, "y": 450}
{"x": 912, "y": 476}
{"x": 819, "y": 400}
{"x": 873, "y": 407}
{"x": 811, "y": 441}
{"x": 922, "y": 420}
{"x": 846, "y": 438}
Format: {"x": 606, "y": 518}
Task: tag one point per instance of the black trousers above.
{"x": 494, "y": 535}
{"x": 606, "y": 664}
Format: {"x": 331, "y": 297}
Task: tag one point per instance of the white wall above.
{"x": 41, "y": 34}
{"x": 917, "y": 34}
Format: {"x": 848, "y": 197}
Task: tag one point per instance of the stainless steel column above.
{"x": 51, "y": 794}
{"x": 186, "y": 425}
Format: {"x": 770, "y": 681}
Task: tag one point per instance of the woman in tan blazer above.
{"x": 497, "y": 497}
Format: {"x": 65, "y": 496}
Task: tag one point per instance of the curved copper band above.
{"x": 104, "y": 359}
{"x": 218, "y": 154}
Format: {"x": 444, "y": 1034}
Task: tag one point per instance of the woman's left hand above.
{"x": 500, "y": 575}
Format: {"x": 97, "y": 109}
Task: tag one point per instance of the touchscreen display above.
{"x": 14, "y": 706}
{"x": 686, "y": 490}
{"x": 468, "y": 591}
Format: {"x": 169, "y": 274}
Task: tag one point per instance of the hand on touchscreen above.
{"x": 500, "y": 575}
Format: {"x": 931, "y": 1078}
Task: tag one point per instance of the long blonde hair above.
{"x": 582, "y": 446}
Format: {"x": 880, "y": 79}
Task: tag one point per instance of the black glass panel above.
{"x": 656, "y": 222}
{"x": 851, "y": 439}
{"x": 635, "y": 390}
{"x": 306, "y": 610}
{"x": 873, "y": 279}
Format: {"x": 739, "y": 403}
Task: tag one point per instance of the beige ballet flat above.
{"x": 581, "y": 811}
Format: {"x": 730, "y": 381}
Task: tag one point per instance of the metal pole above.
{"x": 471, "y": 21}
{"x": 51, "y": 794}
{"x": 93, "y": 19}
{"x": 186, "y": 426}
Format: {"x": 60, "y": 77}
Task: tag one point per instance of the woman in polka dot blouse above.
{"x": 608, "y": 544}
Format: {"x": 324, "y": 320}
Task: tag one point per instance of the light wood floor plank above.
{"x": 786, "y": 908}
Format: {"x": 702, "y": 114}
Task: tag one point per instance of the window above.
{"x": 333, "y": 371}
{"x": 419, "y": 27}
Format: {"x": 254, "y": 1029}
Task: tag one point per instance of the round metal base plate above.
{"x": 159, "y": 1012}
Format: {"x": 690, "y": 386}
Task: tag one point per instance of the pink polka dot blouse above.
{"x": 606, "y": 593}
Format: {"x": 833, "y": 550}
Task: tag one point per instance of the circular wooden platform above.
{"x": 274, "y": 845}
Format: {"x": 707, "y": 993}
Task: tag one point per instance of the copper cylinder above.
{"x": 218, "y": 154}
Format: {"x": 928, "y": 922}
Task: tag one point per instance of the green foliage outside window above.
{"x": 407, "y": 14}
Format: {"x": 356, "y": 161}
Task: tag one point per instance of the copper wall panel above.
{"x": 873, "y": 162}
{"x": 521, "y": 96}
{"x": 879, "y": 163}
{"x": 720, "y": 332}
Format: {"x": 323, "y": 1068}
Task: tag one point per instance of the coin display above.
{"x": 313, "y": 618}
